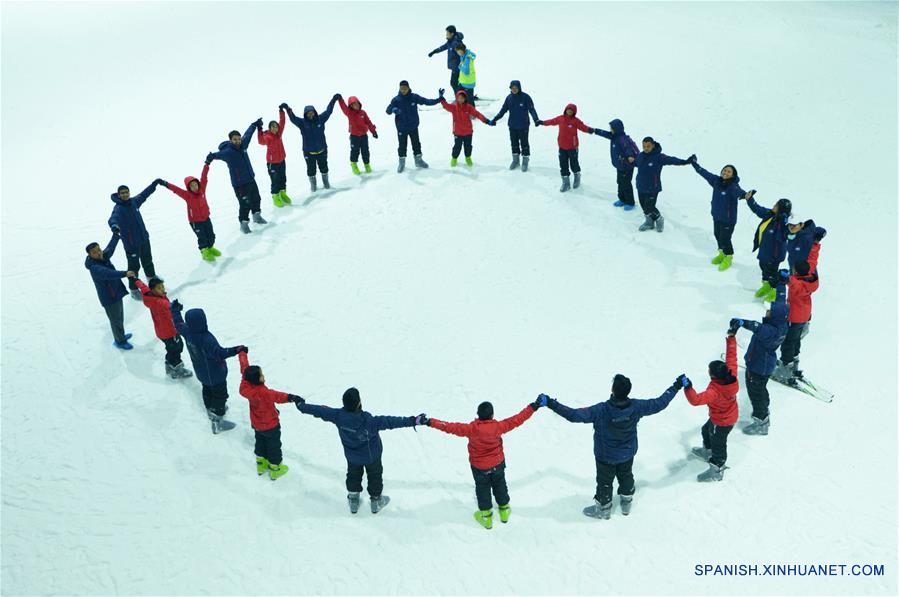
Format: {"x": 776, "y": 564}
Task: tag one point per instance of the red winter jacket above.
{"x": 274, "y": 152}
{"x": 801, "y": 288}
{"x": 160, "y": 311}
{"x": 263, "y": 414}
{"x": 197, "y": 208}
{"x": 358, "y": 119}
{"x": 485, "y": 441}
{"x": 720, "y": 397}
{"x": 568, "y": 127}
{"x": 462, "y": 115}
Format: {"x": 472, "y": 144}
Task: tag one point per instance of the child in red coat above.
{"x": 194, "y": 195}
{"x": 155, "y": 299}
{"x": 264, "y": 417}
{"x": 800, "y": 287}
{"x": 463, "y": 113}
{"x": 360, "y": 125}
{"x": 569, "y": 124}
{"x": 274, "y": 157}
{"x": 485, "y": 454}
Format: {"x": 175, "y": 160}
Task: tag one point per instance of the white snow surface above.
{"x": 433, "y": 290}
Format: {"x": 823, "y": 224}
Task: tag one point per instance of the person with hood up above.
{"x": 800, "y": 287}
{"x": 649, "y": 164}
{"x": 518, "y": 104}
{"x": 615, "y": 439}
{"x": 127, "y": 222}
{"x": 208, "y": 358}
{"x": 721, "y": 398}
{"x": 360, "y": 125}
{"x": 234, "y": 153}
{"x": 359, "y": 434}
{"x": 486, "y": 457}
{"x": 621, "y": 148}
{"x": 315, "y": 145}
{"x": 453, "y": 39}
{"x": 156, "y": 300}
{"x": 110, "y": 290}
{"x": 800, "y": 240}
{"x": 194, "y": 195}
{"x": 467, "y": 76}
{"x": 404, "y": 107}
{"x": 463, "y": 113}
{"x": 770, "y": 240}
{"x": 726, "y": 193}
{"x": 761, "y": 356}
{"x": 275, "y": 157}
{"x": 569, "y": 124}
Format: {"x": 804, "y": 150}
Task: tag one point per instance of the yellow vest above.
{"x": 469, "y": 79}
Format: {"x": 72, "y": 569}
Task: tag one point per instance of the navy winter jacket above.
{"x": 518, "y": 105}
{"x": 358, "y": 430}
{"x": 799, "y": 244}
{"x": 620, "y": 148}
{"x": 126, "y": 215}
{"x": 207, "y": 356}
{"x": 452, "y": 59}
{"x": 771, "y": 235}
{"x": 649, "y": 169}
{"x": 725, "y": 195}
{"x": 238, "y": 161}
{"x": 767, "y": 336}
{"x": 405, "y": 110}
{"x": 107, "y": 279}
{"x": 313, "y": 131}
{"x": 615, "y": 423}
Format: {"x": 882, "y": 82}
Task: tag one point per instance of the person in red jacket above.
{"x": 800, "y": 287}
{"x": 721, "y": 398}
{"x": 360, "y": 125}
{"x": 194, "y": 195}
{"x": 569, "y": 124}
{"x": 274, "y": 157}
{"x": 463, "y": 113}
{"x": 485, "y": 454}
{"x": 264, "y": 417}
{"x": 155, "y": 299}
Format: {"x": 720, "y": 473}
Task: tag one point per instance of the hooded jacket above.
{"x": 485, "y": 438}
{"x": 518, "y": 105}
{"x": 720, "y": 397}
{"x": 358, "y": 119}
{"x": 770, "y": 238}
{"x": 236, "y": 158}
{"x": 358, "y": 430}
{"x": 462, "y": 115}
{"x": 263, "y": 413}
{"x": 800, "y": 244}
{"x": 452, "y": 59}
{"x": 206, "y": 354}
{"x": 801, "y": 288}
{"x": 767, "y": 336}
{"x": 467, "y": 75}
{"x": 649, "y": 169}
{"x": 107, "y": 279}
{"x": 725, "y": 195}
{"x": 126, "y": 215}
{"x": 621, "y": 146}
{"x": 160, "y": 311}
{"x": 313, "y": 130}
{"x": 197, "y": 207}
{"x": 274, "y": 146}
{"x": 405, "y": 110}
{"x": 568, "y": 127}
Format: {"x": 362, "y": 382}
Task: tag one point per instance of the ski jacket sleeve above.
{"x": 532, "y": 110}
{"x": 324, "y": 116}
{"x": 247, "y": 137}
{"x": 708, "y": 176}
{"x": 297, "y": 122}
{"x": 465, "y": 64}
{"x": 213, "y": 348}
{"x": 762, "y": 212}
{"x": 751, "y": 325}
{"x": 701, "y": 398}
{"x": 281, "y": 123}
{"x": 446, "y": 105}
{"x": 503, "y": 110}
{"x": 552, "y": 121}
{"x": 439, "y": 49}
{"x": 427, "y": 102}
{"x": 178, "y": 321}
{"x": 460, "y": 429}
{"x": 343, "y": 107}
{"x": 730, "y": 357}
{"x": 244, "y": 361}
{"x": 141, "y": 197}
{"x": 670, "y": 160}
{"x": 575, "y": 415}
{"x": 111, "y": 246}
{"x": 507, "y": 425}
{"x": 654, "y": 405}
{"x": 391, "y": 107}
{"x": 581, "y": 126}
{"x": 603, "y": 134}
{"x": 204, "y": 178}
{"x": 813, "y": 258}
{"x": 260, "y": 137}
{"x": 320, "y": 412}
{"x": 371, "y": 125}
{"x": 141, "y": 286}
{"x": 104, "y": 273}
{"x": 178, "y": 190}
{"x": 474, "y": 111}
{"x": 384, "y": 422}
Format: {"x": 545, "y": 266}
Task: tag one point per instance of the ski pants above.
{"x": 568, "y": 161}
{"x": 454, "y": 81}
{"x": 491, "y": 480}
{"x": 215, "y": 398}
{"x": 278, "y": 174}
{"x": 404, "y": 138}
{"x": 789, "y": 350}
{"x": 519, "y": 140}
{"x": 625, "y": 186}
{"x": 769, "y": 272}
{"x": 116, "y": 315}
{"x": 606, "y": 472}
{"x": 723, "y": 235}
{"x": 359, "y": 144}
{"x": 319, "y": 159}
{"x": 714, "y": 438}
{"x": 205, "y": 233}
{"x": 469, "y": 95}
{"x": 757, "y": 388}
{"x": 140, "y": 256}
{"x": 173, "y": 348}
{"x": 248, "y": 200}
{"x": 459, "y": 142}
{"x": 268, "y": 444}
{"x": 375, "y": 473}
{"x": 648, "y": 203}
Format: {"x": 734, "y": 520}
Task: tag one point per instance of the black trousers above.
{"x": 268, "y": 444}
{"x": 173, "y": 348}
{"x": 375, "y": 473}
{"x": 459, "y": 142}
{"x": 248, "y": 199}
{"x": 404, "y": 138}
{"x": 606, "y": 472}
{"x": 205, "y": 233}
{"x": 469, "y": 95}
{"x": 215, "y": 398}
{"x": 491, "y": 480}
{"x": 714, "y": 438}
{"x": 625, "y": 186}
{"x": 519, "y": 140}
{"x": 116, "y": 315}
{"x": 769, "y": 272}
{"x": 723, "y": 235}
{"x": 359, "y": 144}
{"x": 314, "y": 160}
{"x": 568, "y": 161}
{"x": 141, "y": 256}
{"x": 454, "y": 81}
{"x": 757, "y": 388}
{"x": 278, "y": 174}
{"x": 792, "y": 344}
{"x": 648, "y": 203}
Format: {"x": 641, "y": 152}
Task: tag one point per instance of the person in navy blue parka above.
{"x": 726, "y": 193}
{"x": 315, "y": 145}
{"x": 359, "y": 434}
{"x": 621, "y": 149}
{"x": 127, "y": 222}
{"x": 453, "y": 39}
{"x": 110, "y": 290}
{"x": 615, "y": 438}
{"x": 519, "y": 105}
{"x": 404, "y": 107}
{"x": 649, "y": 164}
{"x": 770, "y": 240}
{"x": 234, "y": 153}
{"x": 800, "y": 239}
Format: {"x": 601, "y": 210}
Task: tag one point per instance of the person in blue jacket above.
{"x": 127, "y": 222}
{"x": 615, "y": 438}
{"x": 800, "y": 239}
{"x": 234, "y": 153}
{"x": 621, "y": 149}
{"x": 315, "y": 145}
{"x": 208, "y": 358}
{"x": 649, "y": 164}
{"x": 726, "y": 193}
{"x": 770, "y": 240}
{"x": 453, "y": 39}
{"x": 359, "y": 434}
{"x": 404, "y": 107}
{"x": 761, "y": 355}
{"x": 110, "y": 290}
{"x": 519, "y": 105}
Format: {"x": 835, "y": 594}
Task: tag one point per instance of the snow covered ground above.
{"x": 434, "y": 290}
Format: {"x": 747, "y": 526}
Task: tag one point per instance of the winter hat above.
{"x": 123, "y": 187}
{"x": 802, "y": 268}
{"x": 88, "y": 248}
{"x": 616, "y": 126}
{"x": 485, "y": 411}
{"x": 404, "y": 82}
{"x": 621, "y": 386}
{"x": 719, "y": 371}
{"x": 451, "y": 28}
{"x": 252, "y": 373}
{"x": 515, "y": 83}
{"x": 785, "y": 206}
{"x": 155, "y": 281}
{"x": 351, "y": 400}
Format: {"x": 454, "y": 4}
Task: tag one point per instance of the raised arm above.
{"x": 141, "y": 197}
{"x": 141, "y": 286}
{"x": 439, "y": 49}
{"x": 204, "y": 178}
{"x": 813, "y": 258}
{"x": 762, "y": 212}
{"x": 603, "y": 134}
{"x": 178, "y": 190}
{"x": 244, "y": 361}
{"x": 111, "y": 246}
{"x": 324, "y": 116}
{"x": 428, "y": 102}
{"x": 343, "y": 107}
{"x": 177, "y": 319}
{"x": 708, "y": 176}
{"x": 297, "y": 122}
{"x": 445, "y": 104}
{"x": 575, "y": 415}
{"x": 247, "y": 137}
{"x": 582, "y": 127}
{"x": 281, "y": 122}
{"x": 213, "y": 348}
{"x": 104, "y": 273}
{"x": 384, "y": 422}
{"x": 324, "y": 413}
{"x": 460, "y": 429}
{"x": 654, "y": 405}
{"x": 552, "y": 121}
{"x": 730, "y": 356}
{"x": 507, "y": 425}
{"x": 670, "y": 160}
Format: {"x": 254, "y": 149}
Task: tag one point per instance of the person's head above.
{"x": 234, "y": 137}
{"x": 648, "y": 144}
{"x": 194, "y": 185}
{"x": 450, "y": 31}
{"x": 157, "y": 285}
{"x": 569, "y": 111}
{"x": 356, "y": 106}
{"x": 310, "y": 113}
{"x": 94, "y": 251}
{"x": 124, "y": 192}
{"x": 728, "y": 172}
{"x": 253, "y": 374}
{"x": 485, "y": 411}
{"x": 719, "y": 372}
{"x": 273, "y": 127}
{"x": 616, "y": 126}
{"x": 351, "y": 400}
{"x": 802, "y": 268}
{"x": 404, "y": 87}
{"x": 515, "y": 86}
{"x": 460, "y": 49}
{"x": 782, "y": 207}
{"x": 621, "y": 386}
{"x": 461, "y": 97}
{"x": 794, "y": 228}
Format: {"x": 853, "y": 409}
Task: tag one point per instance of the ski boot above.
{"x": 597, "y": 510}
{"x": 566, "y": 184}
{"x": 207, "y": 255}
{"x": 524, "y": 163}
{"x": 715, "y": 473}
{"x": 128, "y": 335}
{"x": 277, "y": 470}
{"x": 660, "y": 223}
{"x": 379, "y": 503}
{"x": 353, "y": 500}
{"x": 401, "y": 165}
{"x": 771, "y": 296}
{"x": 276, "y": 199}
{"x": 648, "y": 224}
{"x": 764, "y": 289}
{"x": 758, "y": 426}
{"x": 453, "y": 162}
{"x": 577, "y": 180}
{"x": 261, "y": 465}
{"x": 484, "y": 518}
{"x": 628, "y": 206}
{"x": 178, "y": 371}
{"x": 504, "y": 513}
{"x": 284, "y": 198}
{"x": 702, "y": 453}
{"x": 313, "y": 184}
{"x": 355, "y": 168}
{"x": 619, "y": 203}
{"x": 718, "y": 258}
{"x": 258, "y": 219}
{"x": 215, "y": 251}
{"x": 468, "y": 161}
{"x": 420, "y": 163}
{"x": 136, "y": 295}
{"x": 368, "y": 168}
{"x": 514, "y": 163}
{"x": 245, "y": 227}
{"x": 725, "y": 263}
{"x": 325, "y": 182}
{"x": 123, "y": 345}
{"x": 626, "y": 502}
{"x": 219, "y": 423}
{"x": 794, "y": 368}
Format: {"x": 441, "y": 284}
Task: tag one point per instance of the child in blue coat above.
{"x": 770, "y": 240}
{"x": 649, "y": 164}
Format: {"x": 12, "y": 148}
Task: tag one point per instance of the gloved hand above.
{"x": 374, "y": 134}
{"x": 422, "y": 419}
{"x": 735, "y": 324}
{"x": 441, "y": 91}
{"x": 209, "y": 157}
{"x": 749, "y": 194}
{"x": 258, "y": 123}
{"x": 538, "y": 123}
{"x": 177, "y": 306}
{"x": 542, "y": 400}
{"x": 784, "y": 275}
{"x": 684, "y": 381}
{"x": 295, "y": 399}
{"x": 820, "y": 233}
{"x": 115, "y": 229}
{"x": 692, "y": 159}
{"x": 336, "y": 97}
{"x": 159, "y": 181}
{"x": 491, "y": 123}
{"x": 284, "y": 106}
{"x": 678, "y": 382}
{"x": 430, "y": 54}
{"x": 243, "y": 349}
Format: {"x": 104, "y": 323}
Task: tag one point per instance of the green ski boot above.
{"x": 764, "y": 289}
{"x": 368, "y": 168}
{"x": 276, "y": 199}
{"x": 277, "y": 470}
{"x": 355, "y": 167}
{"x": 718, "y": 258}
{"x": 284, "y": 198}
{"x": 771, "y": 296}
{"x": 453, "y": 162}
{"x": 215, "y": 251}
{"x": 207, "y": 255}
{"x": 504, "y": 512}
{"x": 725, "y": 263}
{"x": 468, "y": 161}
{"x": 261, "y": 465}
{"x": 484, "y": 518}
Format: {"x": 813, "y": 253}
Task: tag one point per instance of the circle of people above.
{"x": 615, "y": 420}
